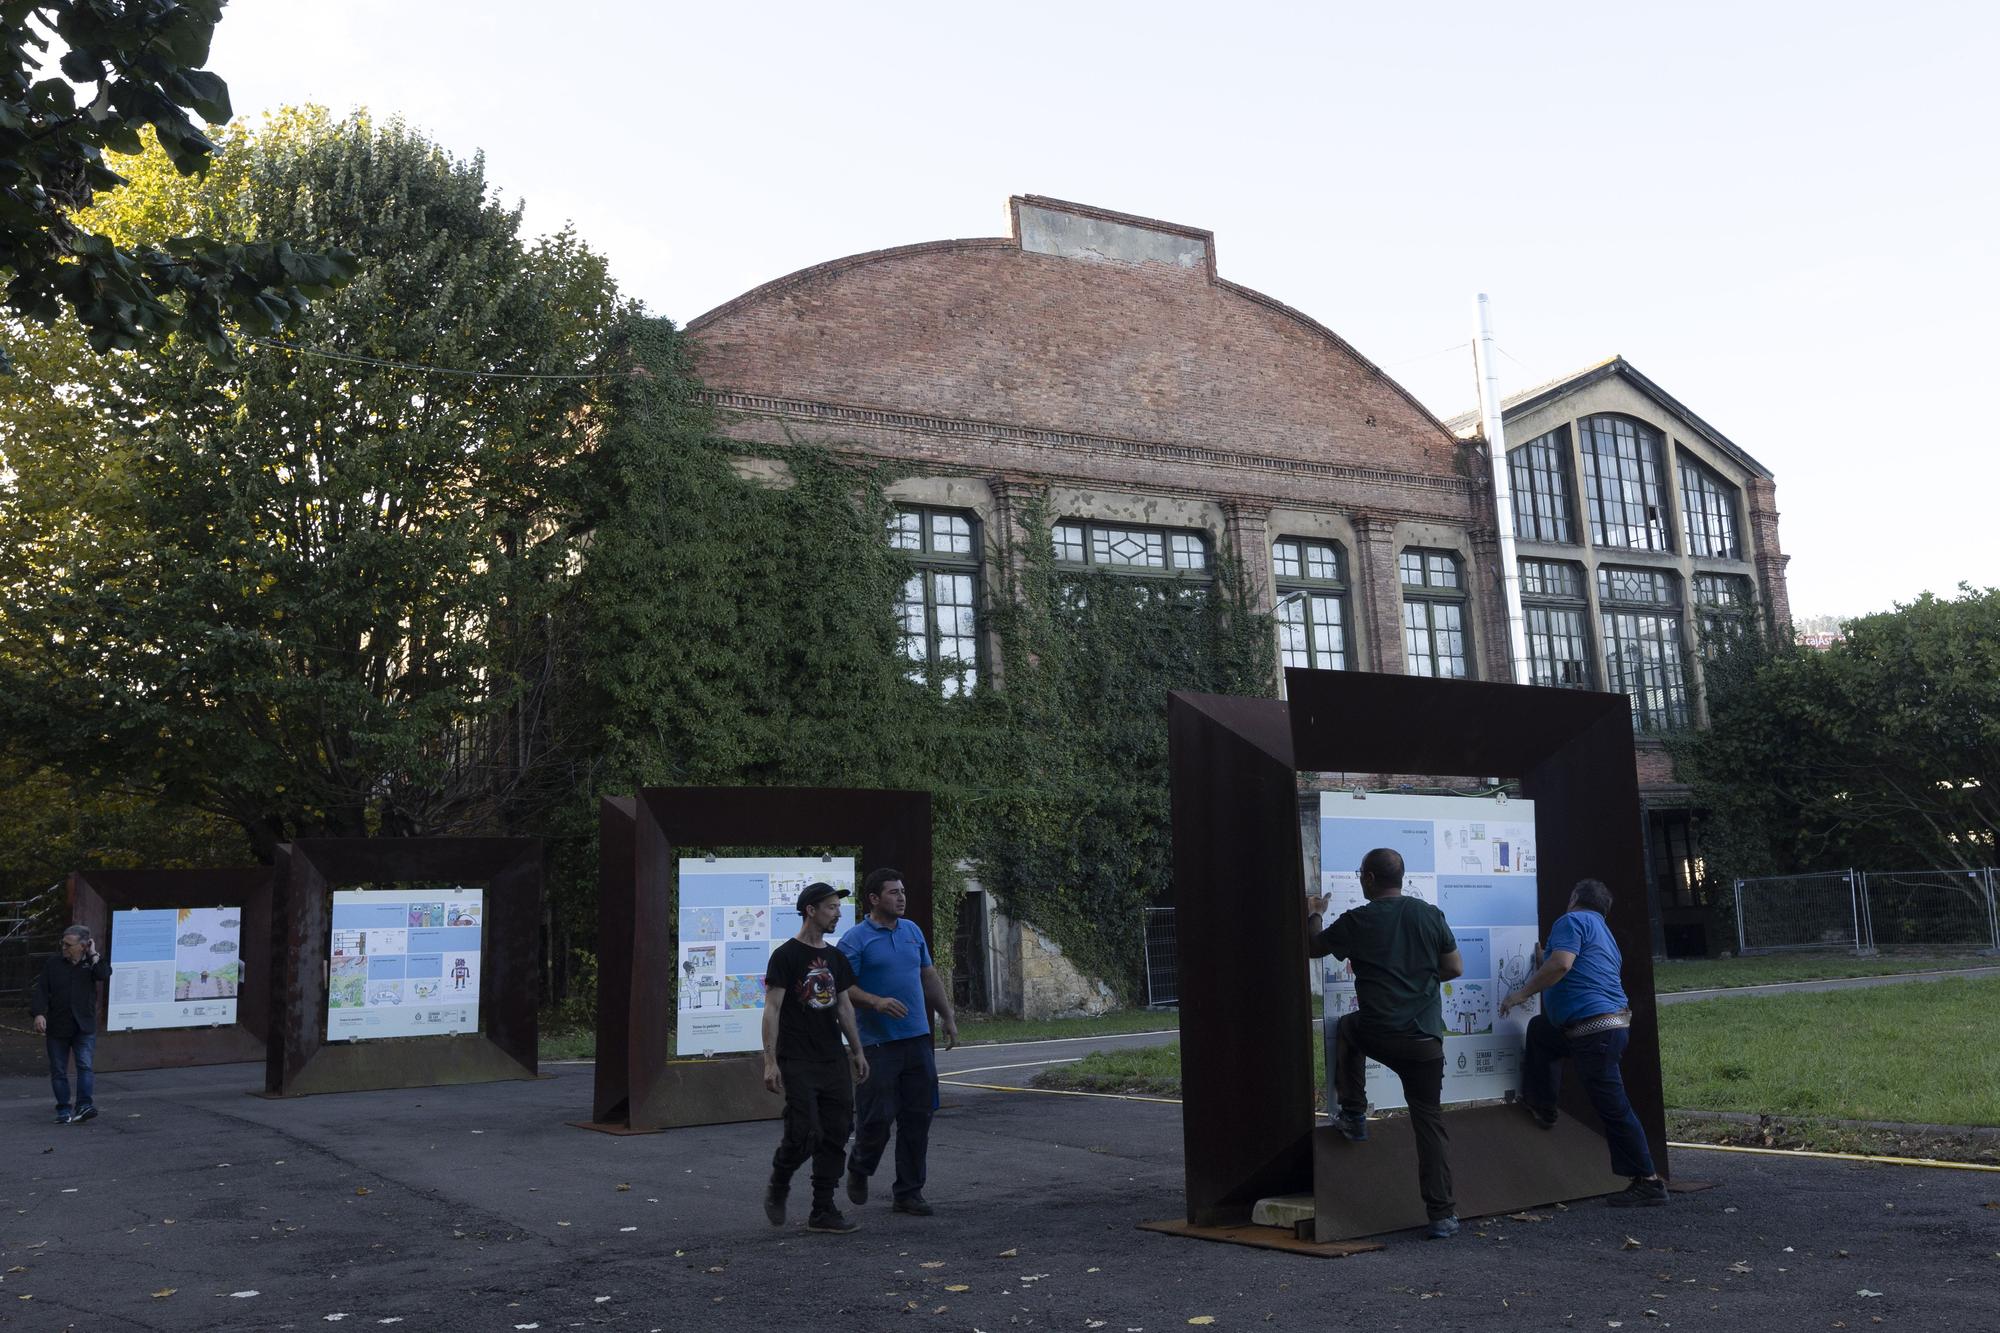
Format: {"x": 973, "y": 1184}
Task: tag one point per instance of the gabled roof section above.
{"x": 1470, "y": 425}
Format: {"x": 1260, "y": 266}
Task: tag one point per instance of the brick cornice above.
{"x": 835, "y": 414}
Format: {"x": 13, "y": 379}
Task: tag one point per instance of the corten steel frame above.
{"x": 298, "y": 1057}
{"x": 640, "y": 1086}
{"x": 1238, "y": 882}
{"x": 95, "y": 894}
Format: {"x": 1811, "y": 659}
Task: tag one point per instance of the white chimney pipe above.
{"x": 1503, "y": 494}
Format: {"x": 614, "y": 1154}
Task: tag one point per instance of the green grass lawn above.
{"x": 978, "y": 1029}
{"x": 1704, "y": 973}
{"x": 1923, "y": 1054}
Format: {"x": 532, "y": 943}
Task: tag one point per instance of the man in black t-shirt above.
{"x": 806, "y": 1009}
{"x": 1402, "y": 949}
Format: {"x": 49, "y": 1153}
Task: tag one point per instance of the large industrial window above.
{"x": 1708, "y": 509}
{"x": 1311, "y": 582}
{"x": 1621, "y": 483}
{"x": 1640, "y": 611}
{"x": 1539, "y": 474}
{"x": 1723, "y": 610}
{"x": 1433, "y": 614}
{"x": 939, "y": 605}
{"x": 1553, "y": 605}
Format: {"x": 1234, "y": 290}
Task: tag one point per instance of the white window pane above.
{"x": 951, "y": 533}
{"x": 1285, "y": 560}
{"x": 906, "y": 531}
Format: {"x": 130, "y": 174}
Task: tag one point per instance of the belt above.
{"x": 1590, "y": 1027}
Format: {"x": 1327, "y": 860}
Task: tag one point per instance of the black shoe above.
{"x": 1441, "y": 1228}
{"x": 1641, "y": 1193}
{"x": 774, "y": 1205}
{"x": 87, "y": 1113}
{"x": 913, "y": 1204}
{"x": 1352, "y": 1127}
{"x": 62, "y": 1115}
{"x": 857, "y": 1187}
{"x": 1545, "y": 1116}
{"x": 830, "y": 1219}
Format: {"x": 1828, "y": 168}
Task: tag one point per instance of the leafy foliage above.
{"x": 1882, "y": 751}
{"x": 742, "y": 633}
{"x": 143, "y": 59}
{"x": 312, "y": 595}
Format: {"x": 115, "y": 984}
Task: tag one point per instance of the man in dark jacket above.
{"x": 64, "y": 1004}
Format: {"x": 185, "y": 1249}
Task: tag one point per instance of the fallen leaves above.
{"x": 1631, "y": 1243}
{"x": 245, "y": 1295}
{"x": 361, "y": 1189}
{"x": 932, "y": 1263}
{"x": 1202, "y": 1319}
{"x": 1004, "y": 1254}
{"x": 1865, "y": 1292}
{"x": 625, "y": 1189}
{"x": 164, "y": 1292}
{"x": 1739, "y": 1267}
{"x": 958, "y": 1286}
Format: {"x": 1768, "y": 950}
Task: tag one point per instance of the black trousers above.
{"x": 1419, "y": 1062}
{"x": 819, "y": 1112}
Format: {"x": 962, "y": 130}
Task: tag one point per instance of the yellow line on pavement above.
{"x": 1838, "y": 1156}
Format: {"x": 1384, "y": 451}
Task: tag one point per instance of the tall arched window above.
{"x": 1433, "y": 614}
{"x": 1621, "y": 484}
{"x": 939, "y": 605}
{"x": 1708, "y": 508}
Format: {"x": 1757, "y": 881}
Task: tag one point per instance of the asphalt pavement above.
{"x": 190, "y": 1204}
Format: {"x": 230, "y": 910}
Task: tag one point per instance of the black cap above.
{"x": 818, "y": 891}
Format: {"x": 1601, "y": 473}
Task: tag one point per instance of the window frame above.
{"x": 1307, "y": 592}
{"x": 1598, "y": 439}
{"x": 1171, "y": 555}
{"x": 954, "y": 676}
{"x": 1539, "y": 475}
{"x": 1645, "y": 653}
{"x": 1709, "y": 501}
{"x": 1430, "y": 597}
{"x": 1545, "y": 604}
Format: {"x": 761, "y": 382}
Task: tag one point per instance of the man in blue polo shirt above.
{"x": 898, "y": 988}
{"x": 1588, "y": 1017}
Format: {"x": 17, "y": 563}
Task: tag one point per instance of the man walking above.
{"x": 806, "y": 1010}
{"x": 1402, "y": 949}
{"x": 64, "y": 1003}
{"x": 900, "y": 984}
{"x": 1587, "y": 1016}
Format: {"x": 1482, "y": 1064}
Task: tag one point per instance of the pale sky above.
{"x": 1785, "y": 215}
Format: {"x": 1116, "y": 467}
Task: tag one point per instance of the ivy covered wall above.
{"x": 733, "y": 631}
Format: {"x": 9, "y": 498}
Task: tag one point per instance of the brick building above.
{"x": 1098, "y": 361}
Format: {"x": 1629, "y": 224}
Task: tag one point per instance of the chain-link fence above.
{"x": 1163, "y": 969}
{"x": 1786, "y": 912}
{"x": 1930, "y": 909}
{"x": 1863, "y": 912}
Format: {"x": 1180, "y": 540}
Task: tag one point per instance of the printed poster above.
{"x": 1474, "y": 858}
{"x": 404, "y": 963}
{"x": 733, "y": 911}
{"x": 174, "y": 967}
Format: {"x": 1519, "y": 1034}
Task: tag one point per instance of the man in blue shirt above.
{"x": 1587, "y": 1016}
{"x": 898, "y": 988}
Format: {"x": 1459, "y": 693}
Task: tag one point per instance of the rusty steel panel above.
{"x": 299, "y": 1059}
{"x": 95, "y": 894}
{"x": 1238, "y": 883}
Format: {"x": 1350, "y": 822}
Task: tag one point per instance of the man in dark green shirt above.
{"x": 1402, "y": 949}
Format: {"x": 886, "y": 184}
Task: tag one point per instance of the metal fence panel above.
{"x": 1163, "y": 971}
{"x": 1930, "y": 909}
{"x": 1791, "y": 912}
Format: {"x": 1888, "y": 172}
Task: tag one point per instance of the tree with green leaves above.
{"x": 136, "y": 65}
{"x": 1881, "y": 752}
{"x": 324, "y": 591}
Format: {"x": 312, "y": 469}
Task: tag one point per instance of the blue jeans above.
{"x": 901, "y": 1090}
{"x": 1597, "y": 1058}
{"x": 83, "y": 1046}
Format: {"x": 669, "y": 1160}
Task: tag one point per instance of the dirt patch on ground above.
{"x": 1944, "y": 1143}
